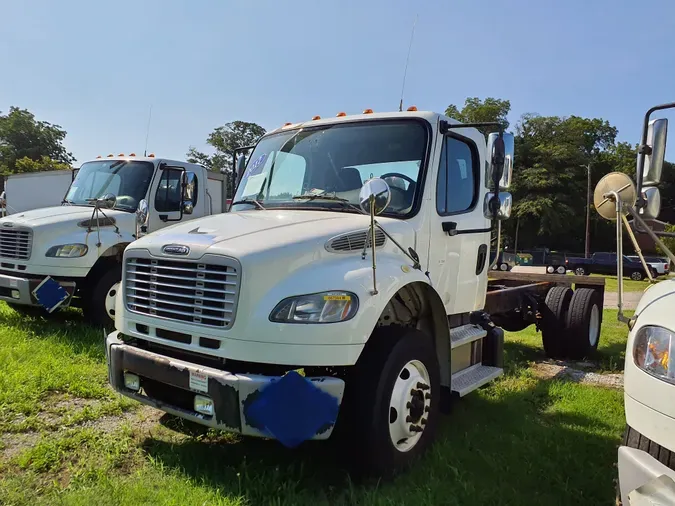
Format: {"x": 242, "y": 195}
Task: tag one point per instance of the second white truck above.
{"x": 71, "y": 254}
{"x": 346, "y": 294}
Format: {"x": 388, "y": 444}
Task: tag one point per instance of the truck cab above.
{"x": 54, "y": 257}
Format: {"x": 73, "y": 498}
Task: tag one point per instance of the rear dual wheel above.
{"x": 571, "y": 322}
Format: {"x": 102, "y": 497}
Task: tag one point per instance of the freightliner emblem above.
{"x": 175, "y": 249}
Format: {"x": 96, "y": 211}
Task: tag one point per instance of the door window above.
{"x": 168, "y": 196}
{"x": 456, "y": 190}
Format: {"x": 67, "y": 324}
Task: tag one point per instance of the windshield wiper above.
{"x": 249, "y": 201}
{"x": 321, "y": 196}
{"x": 334, "y": 198}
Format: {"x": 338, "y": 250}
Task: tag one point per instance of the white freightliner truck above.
{"x": 345, "y": 294}
{"x": 646, "y": 456}
{"x": 71, "y": 254}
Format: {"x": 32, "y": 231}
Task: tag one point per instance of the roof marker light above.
{"x": 151, "y": 155}
{"x": 99, "y": 156}
{"x": 110, "y": 155}
{"x": 368, "y": 111}
{"x": 412, "y": 108}
{"x": 314, "y": 118}
{"x": 340, "y": 114}
{"x": 132, "y": 154}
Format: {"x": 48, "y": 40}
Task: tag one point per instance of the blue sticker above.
{"x": 256, "y": 165}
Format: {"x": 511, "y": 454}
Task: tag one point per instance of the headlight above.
{"x": 652, "y": 352}
{"x": 325, "y": 307}
{"x": 67, "y": 251}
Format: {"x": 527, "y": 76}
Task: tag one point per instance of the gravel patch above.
{"x": 577, "y": 374}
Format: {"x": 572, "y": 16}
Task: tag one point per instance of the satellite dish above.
{"x": 613, "y": 182}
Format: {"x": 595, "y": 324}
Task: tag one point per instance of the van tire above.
{"x": 554, "y": 318}
{"x": 367, "y": 422}
{"x": 584, "y": 320}
{"x": 94, "y": 303}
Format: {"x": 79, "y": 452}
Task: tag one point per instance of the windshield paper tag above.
{"x": 256, "y": 165}
{"x": 337, "y": 297}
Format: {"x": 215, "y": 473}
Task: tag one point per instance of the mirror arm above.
{"x": 644, "y": 149}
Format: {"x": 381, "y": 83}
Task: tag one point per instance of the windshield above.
{"x": 334, "y": 161}
{"x": 127, "y": 180}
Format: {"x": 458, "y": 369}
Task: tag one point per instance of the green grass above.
{"x": 612, "y": 285}
{"x": 520, "y": 440}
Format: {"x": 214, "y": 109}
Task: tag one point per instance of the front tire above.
{"x": 580, "y": 271}
{"x": 99, "y": 310}
{"x": 391, "y": 406}
{"x": 637, "y": 276}
{"x": 561, "y": 269}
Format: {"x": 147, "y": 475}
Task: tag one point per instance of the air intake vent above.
{"x": 355, "y": 241}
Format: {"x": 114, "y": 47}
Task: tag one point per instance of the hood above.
{"x": 241, "y": 233}
{"x": 61, "y": 214}
{"x": 662, "y": 294}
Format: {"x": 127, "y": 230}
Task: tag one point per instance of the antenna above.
{"x": 405, "y": 72}
{"x": 147, "y": 133}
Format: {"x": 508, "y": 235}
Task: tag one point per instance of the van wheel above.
{"x": 390, "y": 410}
{"x": 583, "y": 323}
{"x": 555, "y": 310}
{"x": 99, "y": 310}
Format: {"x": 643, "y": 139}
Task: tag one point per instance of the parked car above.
{"x": 661, "y": 265}
{"x": 556, "y": 263}
{"x": 605, "y": 263}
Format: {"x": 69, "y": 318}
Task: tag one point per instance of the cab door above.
{"x": 175, "y": 197}
{"x": 459, "y": 250}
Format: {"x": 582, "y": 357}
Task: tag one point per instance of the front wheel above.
{"x": 561, "y": 269}
{"x": 580, "y": 271}
{"x": 99, "y": 309}
{"x": 391, "y": 405}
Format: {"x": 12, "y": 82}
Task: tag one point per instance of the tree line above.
{"x": 553, "y": 155}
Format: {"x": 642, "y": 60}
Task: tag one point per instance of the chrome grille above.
{"x": 355, "y": 241}
{"x": 15, "y": 243}
{"x": 192, "y": 292}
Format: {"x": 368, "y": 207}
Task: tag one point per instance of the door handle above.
{"x": 450, "y": 227}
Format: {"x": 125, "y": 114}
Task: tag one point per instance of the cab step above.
{"x": 459, "y": 336}
{"x": 473, "y": 377}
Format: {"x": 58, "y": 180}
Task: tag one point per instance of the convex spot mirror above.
{"x": 496, "y": 151}
{"x": 107, "y": 201}
{"x": 142, "y": 212}
{"x": 377, "y": 188}
{"x": 241, "y": 165}
{"x": 502, "y": 205}
{"x": 656, "y": 139}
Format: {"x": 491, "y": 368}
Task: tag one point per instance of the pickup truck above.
{"x": 605, "y": 263}
{"x": 659, "y": 264}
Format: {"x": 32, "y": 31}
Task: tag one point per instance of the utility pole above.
{"x": 588, "y": 212}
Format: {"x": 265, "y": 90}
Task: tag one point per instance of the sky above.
{"x": 96, "y": 68}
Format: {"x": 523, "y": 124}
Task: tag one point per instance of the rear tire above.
{"x": 553, "y": 333}
{"x": 584, "y": 319}
{"x": 504, "y": 267}
{"x": 98, "y": 310}
{"x": 384, "y": 398}
{"x": 561, "y": 269}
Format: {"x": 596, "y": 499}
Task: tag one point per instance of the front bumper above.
{"x": 289, "y": 408}
{"x": 637, "y": 468}
{"x": 19, "y": 290}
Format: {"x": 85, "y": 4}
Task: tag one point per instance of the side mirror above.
{"x": 501, "y": 205}
{"x": 496, "y": 152}
{"x": 656, "y": 139}
{"x": 188, "y": 208}
{"x": 142, "y": 213}
{"x": 377, "y": 188}
{"x": 652, "y": 196}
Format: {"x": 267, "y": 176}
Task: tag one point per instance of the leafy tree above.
{"x": 225, "y": 139}
{"x": 23, "y": 140}
{"x": 476, "y": 110}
